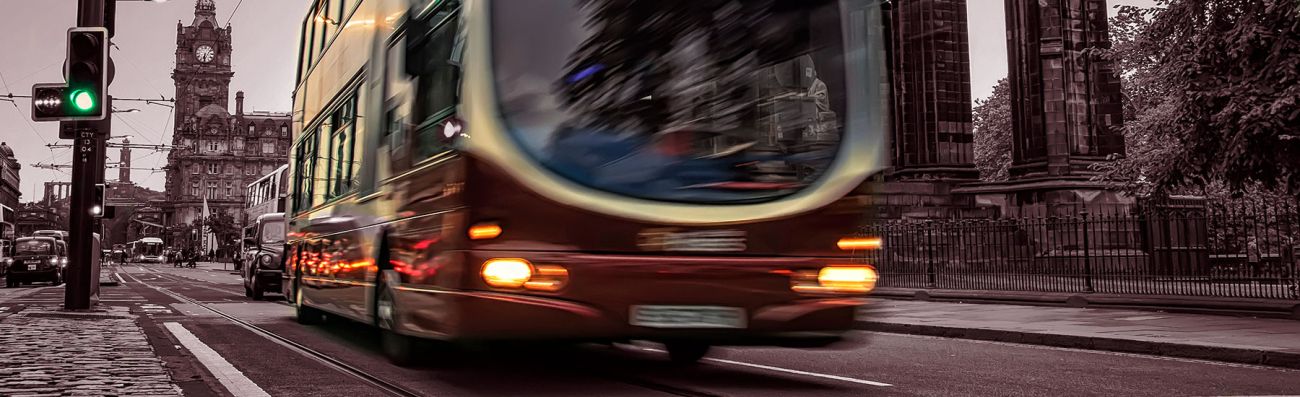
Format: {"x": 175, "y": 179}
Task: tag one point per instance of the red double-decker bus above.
{"x": 685, "y": 172}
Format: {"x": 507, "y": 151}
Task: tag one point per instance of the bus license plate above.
{"x": 688, "y": 317}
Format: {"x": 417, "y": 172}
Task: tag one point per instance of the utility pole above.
{"x": 87, "y": 169}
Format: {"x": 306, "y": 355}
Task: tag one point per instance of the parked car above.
{"x": 36, "y": 259}
{"x": 263, "y": 264}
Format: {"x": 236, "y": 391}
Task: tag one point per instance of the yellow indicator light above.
{"x": 859, "y": 243}
{"x": 837, "y": 279}
{"x": 484, "y": 231}
{"x": 548, "y": 278}
{"x": 507, "y": 272}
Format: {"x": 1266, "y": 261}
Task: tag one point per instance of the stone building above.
{"x": 38, "y": 216}
{"x": 929, "y": 64}
{"x": 932, "y": 137}
{"x": 1065, "y": 109}
{"x": 218, "y": 151}
{"x": 10, "y": 190}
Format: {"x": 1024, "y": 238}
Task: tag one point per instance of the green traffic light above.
{"x": 83, "y": 100}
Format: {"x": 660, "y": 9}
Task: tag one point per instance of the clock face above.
{"x": 204, "y": 54}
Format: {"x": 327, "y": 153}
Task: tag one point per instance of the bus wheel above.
{"x": 401, "y": 350}
{"x": 686, "y": 352}
{"x": 304, "y": 314}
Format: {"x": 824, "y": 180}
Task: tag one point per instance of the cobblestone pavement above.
{"x": 47, "y": 352}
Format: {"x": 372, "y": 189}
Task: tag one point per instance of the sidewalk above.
{"x": 1274, "y": 308}
{"x": 1265, "y": 341}
{"x": 48, "y": 352}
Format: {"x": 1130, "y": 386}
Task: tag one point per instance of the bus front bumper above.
{"x": 604, "y": 293}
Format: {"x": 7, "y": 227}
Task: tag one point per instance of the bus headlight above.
{"x": 853, "y": 279}
{"x": 516, "y": 273}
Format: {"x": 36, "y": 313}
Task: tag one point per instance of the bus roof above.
{"x": 275, "y": 216}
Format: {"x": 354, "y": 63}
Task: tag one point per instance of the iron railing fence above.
{"x": 1200, "y": 250}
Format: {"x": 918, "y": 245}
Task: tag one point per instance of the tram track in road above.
{"x": 389, "y": 387}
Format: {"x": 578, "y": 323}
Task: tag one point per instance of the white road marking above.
{"x": 791, "y": 371}
{"x": 234, "y": 381}
{"x": 119, "y": 277}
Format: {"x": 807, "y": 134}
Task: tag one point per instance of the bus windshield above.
{"x": 34, "y": 247}
{"x": 674, "y": 100}
{"x": 149, "y": 249}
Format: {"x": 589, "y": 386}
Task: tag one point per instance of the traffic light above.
{"x": 87, "y": 73}
{"x": 97, "y": 204}
{"x": 47, "y": 102}
{"x": 83, "y": 96}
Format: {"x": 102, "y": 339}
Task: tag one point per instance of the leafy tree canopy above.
{"x": 1211, "y": 95}
{"x": 992, "y": 122}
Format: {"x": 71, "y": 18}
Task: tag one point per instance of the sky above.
{"x": 32, "y": 48}
{"x": 32, "y": 41}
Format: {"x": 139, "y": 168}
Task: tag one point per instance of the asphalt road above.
{"x": 885, "y": 364}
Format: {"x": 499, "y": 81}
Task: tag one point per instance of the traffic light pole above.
{"x": 87, "y": 171}
{"x": 88, "y": 149}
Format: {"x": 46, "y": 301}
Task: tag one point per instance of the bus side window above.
{"x": 438, "y": 88}
{"x": 397, "y": 108}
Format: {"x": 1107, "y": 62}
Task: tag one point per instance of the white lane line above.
{"x": 791, "y": 371}
{"x": 230, "y": 377}
{"x": 798, "y": 372}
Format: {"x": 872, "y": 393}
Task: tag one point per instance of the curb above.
{"x": 1200, "y": 352}
{"x": 1230, "y": 306}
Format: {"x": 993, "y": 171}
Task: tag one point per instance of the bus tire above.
{"x": 401, "y": 350}
{"x": 686, "y": 352}
{"x": 306, "y": 315}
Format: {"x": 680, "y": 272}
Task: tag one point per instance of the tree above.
{"x": 224, "y": 228}
{"x": 992, "y": 122}
{"x": 1211, "y": 91}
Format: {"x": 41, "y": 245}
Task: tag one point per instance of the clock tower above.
{"x": 202, "y": 73}
{"x": 220, "y": 147}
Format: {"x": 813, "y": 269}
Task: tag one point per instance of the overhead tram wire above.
{"x": 132, "y": 64}
{"x": 47, "y": 67}
{"x": 170, "y": 114}
{"x": 20, "y": 111}
{"x": 132, "y": 125}
{"x": 233, "y": 11}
